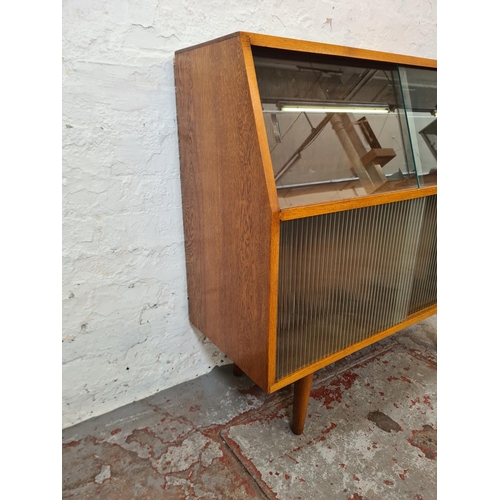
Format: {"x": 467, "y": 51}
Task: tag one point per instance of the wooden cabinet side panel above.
{"x": 226, "y": 207}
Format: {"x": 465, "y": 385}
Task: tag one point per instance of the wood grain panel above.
{"x": 227, "y": 210}
{"x": 336, "y": 50}
{"x": 273, "y": 199}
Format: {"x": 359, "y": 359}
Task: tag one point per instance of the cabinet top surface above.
{"x": 260, "y": 40}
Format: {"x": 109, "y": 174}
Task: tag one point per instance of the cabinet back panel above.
{"x": 348, "y": 275}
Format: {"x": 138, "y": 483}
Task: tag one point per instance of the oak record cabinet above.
{"x": 309, "y": 188}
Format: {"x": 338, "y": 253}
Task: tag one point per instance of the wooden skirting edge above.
{"x": 414, "y": 318}
{"x": 365, "y": 201}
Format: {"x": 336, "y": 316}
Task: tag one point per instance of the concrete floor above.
{"x": 370, "y": 435}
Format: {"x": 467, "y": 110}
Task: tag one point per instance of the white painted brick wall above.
{"x": 126, "y": 329}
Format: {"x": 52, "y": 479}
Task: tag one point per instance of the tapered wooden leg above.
{"x": 301, "y": 391}
{"x": 237, "y": 371}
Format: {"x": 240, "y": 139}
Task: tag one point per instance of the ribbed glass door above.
{"x": 348, "y": 275}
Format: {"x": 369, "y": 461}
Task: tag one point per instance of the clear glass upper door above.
{"x": 336, "y": 127}
{"x": 419, "y": 90}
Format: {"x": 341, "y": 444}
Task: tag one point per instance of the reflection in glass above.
{"x": 429, "y": 135}
{"x": 336, "y": 128}
{"x": 419, "y": 88}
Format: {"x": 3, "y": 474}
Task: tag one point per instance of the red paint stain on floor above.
{"x": 332, "y": 393}
{"x": 413, "y": 402}
{"x": 426, "y": 441}
{"x": 73, "y": 443}
{"x": 255, "y": 391}
{"x": 329, "y": 428}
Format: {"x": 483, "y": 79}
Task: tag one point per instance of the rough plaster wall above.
{"x": 126, "y": 329}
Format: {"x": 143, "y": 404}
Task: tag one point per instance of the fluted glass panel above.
{"x": 424, "y": 292}
{"x": 348, "y": 275}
